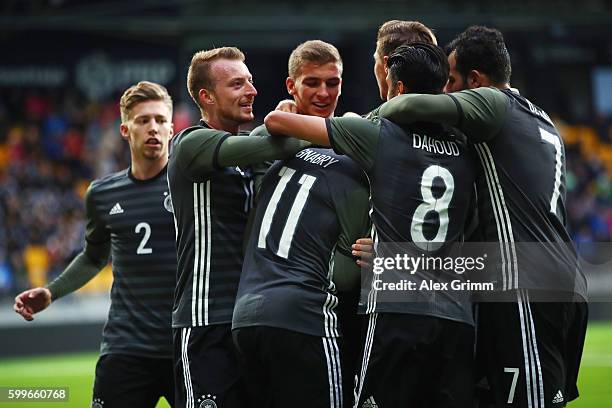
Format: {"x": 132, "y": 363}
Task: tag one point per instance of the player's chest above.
{"x": 137, "y": 212}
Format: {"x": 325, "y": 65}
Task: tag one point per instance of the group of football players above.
{"x": 240, "y": 270}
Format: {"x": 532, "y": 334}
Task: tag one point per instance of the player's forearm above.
{"x": 248, "y": 150}
{"x": 80, "y": 271}
{"x": 406, "y": 109}
{"x": 310, "y": 128}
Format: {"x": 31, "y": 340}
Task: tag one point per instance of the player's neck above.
{"x": 216, "y": 122}
{"x": 147, "y": 169}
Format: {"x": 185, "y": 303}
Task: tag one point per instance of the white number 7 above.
{"x": 554, "y": 140}
{"x": 515, "y": 374}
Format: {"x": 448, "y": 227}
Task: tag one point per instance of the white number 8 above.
{"x": 430, "y": 203}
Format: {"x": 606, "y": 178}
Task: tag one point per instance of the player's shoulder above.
{"x": 110, "y": 181}
{"x": 260, "y": 130}
{"x": 485, "y": 91}
{"x": 196, "y": 133}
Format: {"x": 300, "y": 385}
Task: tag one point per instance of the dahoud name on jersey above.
{"x": 434, "y": 145}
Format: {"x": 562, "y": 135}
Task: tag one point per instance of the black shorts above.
{"x": 531, "y": 351}
{"x": 289, "y": 369}
{"x": 207, "y": 372}
{"x": 124, "y": 380}
{"x": 416, "y": 361}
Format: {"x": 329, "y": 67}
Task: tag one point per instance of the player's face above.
{"x": 316, "y": 89}
{"x": 455, "y": 80}
{"x": 380, "y": 74}
{"x": 148, "y": 130}
{"x": 234, "y": 92}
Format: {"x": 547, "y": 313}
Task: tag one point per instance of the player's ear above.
{"x": 206, "y": 97}
{"x": 400, "y": 88}
{"x": 385, "y": 59}
{"x": 290, "y": 82}
{"x": 476, "y": 79}
{"x": 125, "y": 131}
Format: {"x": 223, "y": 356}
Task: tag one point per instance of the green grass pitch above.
{"x": 76, "y": 371}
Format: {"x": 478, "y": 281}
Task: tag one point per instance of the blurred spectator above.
{"x": 52, "y": 144}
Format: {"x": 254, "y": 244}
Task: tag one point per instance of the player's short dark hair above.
{"x": 394, "y": 33}
{"x": 422, "y": 67}
{"x": 313, "y": 51}
{"x": 482, "y": 49}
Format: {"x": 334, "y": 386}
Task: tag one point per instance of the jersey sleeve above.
{"x": 356, "y": 138}
{"x": 196, "y": 154}
{"x": 96, "y": 232}
{"x": 354, "y": 224}
{"x": 479, "y": 113}
{"x": 260, "y": 130}
{"x": 482, "y": 112}
{"x": 248, "y": 150}
{"x": 89, "y": 262}
{"x": 259, "y": 169}
{"x": 204, "y": 150}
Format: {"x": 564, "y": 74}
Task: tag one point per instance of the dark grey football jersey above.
{"x": 521, "y": 202}
{"x": 421, "y": 179}
{"x": 211, "y": 210}
{"x": 310, "y": 209}
{"x": 136, "y": 217}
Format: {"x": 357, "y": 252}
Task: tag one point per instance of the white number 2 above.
{"x": 306, "y": 183}
{"x": 554, "y": 140}
{"x": 147, "y": 234}
{"x": 430, "y": 203}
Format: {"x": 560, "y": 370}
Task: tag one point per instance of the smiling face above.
{"x": 148, "y": 130}
{"x": 317, "y": 88}
{"x": 230, "y": 103}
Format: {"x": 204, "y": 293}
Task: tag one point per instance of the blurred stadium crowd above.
{"x": 53, "y": 143}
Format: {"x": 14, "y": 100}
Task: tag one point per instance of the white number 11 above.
{"x": 306, "y": 183}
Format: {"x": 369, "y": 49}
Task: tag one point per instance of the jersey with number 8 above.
{"x": 421, "y": 180}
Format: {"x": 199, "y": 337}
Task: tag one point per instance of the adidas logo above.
{"x": 558, "y": 398}
{"x": 369, "y": 403}
{"x": 116, "y": 209}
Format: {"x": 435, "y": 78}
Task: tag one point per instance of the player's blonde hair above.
{"x": 198, "y": 76}
{"x": 142, "y": 92}
{"x": 394, "y": 33}
{"x": 314, "y": 51}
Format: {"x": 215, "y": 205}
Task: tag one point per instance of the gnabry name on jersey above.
{"x": 434, "y": 145}
{"x": 320, "y": 159}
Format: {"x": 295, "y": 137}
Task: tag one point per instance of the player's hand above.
{"x": 287, "y": 105}
{"x": 32, "y": 301}
{"x": 363, "y": 248}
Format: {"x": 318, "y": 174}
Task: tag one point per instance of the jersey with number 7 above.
{"x": 520, "y": 184}
{"x": 421, "y": 181}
